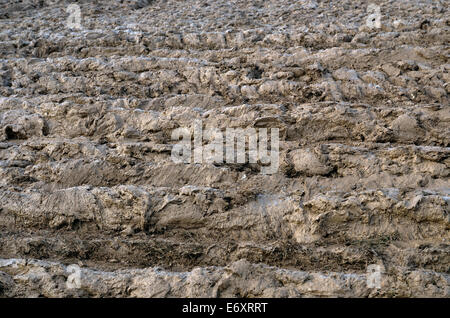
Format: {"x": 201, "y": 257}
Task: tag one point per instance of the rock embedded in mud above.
{"x": 406, "y": 128}
{"x": 307, "y": 162}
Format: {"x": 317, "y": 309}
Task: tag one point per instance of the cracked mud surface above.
{"x": 86, "y": 118}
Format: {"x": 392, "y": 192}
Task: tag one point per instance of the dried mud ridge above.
{"x": 86, "y": 176}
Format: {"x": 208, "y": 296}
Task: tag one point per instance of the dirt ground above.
{"x": 87, "y": 109}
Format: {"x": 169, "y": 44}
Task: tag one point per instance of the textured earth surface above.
{"x": 86, "y": 117}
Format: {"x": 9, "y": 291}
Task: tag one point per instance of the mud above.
{"x": 86, "y": 117}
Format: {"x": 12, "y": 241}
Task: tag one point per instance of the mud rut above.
{"x": 85, "y": 127}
